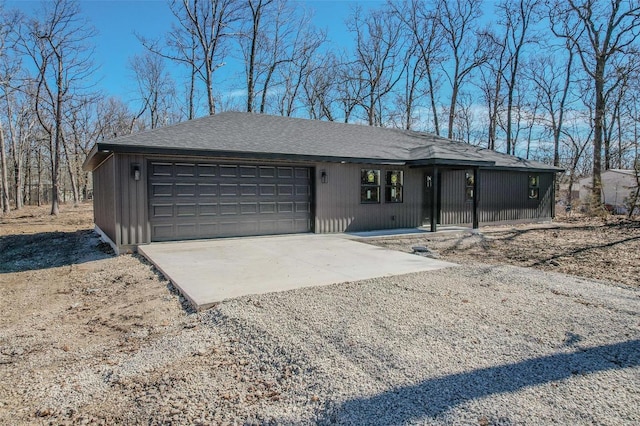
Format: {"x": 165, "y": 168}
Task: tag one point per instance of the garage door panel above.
{"x": 266, "y": 172}
{"x": 162, "y": 230}
{"x": 284, "y": 189}
{"x": 302, "y": 172}
{"x": 185, "y": 190}
{"x": 207, "y": 190}
{"x": 161, "y": 210}
{"x": 185, "y": 170}
{"x": 189, "y": 230}
{"x": 285, "y": 207}
{"x": 302, "y": 208}
{"x": 207, "y": 209}
{"x": 186, "y": 210}
{"x": 207, "y": 170}
{"x": 228, "y": 171}
{"x": 248, "y": 171}
{"x": 204, "y": 200}
{"x": 229, "y": 209}
{"x": 208, "y": 228}
{"x": 249, "y": 189}
{"x": 248, "y": 208}
{"x": 161, "y": 190}
{"x": 162, "y": 169}
{"x": 302, "y": 190}
{"x": 229, "y": 190}
{"x": 267, "y": 207}
{"x": 285, "y": 172}
{"x": 267, "y": 189}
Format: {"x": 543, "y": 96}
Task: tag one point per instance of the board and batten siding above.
{"x": 455, "y": 209}
{"x": 338, "y": 207}
{"x": 104, "y": 198}
{"x": 132, "y": 224}
{"x": 504, "y": 196}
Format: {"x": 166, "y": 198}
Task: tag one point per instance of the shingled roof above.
{"x": 260, "y": 136}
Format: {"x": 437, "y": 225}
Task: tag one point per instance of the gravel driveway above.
{"x": 466, "y": 345}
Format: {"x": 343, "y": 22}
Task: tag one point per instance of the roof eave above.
{"x": 450, "y": 162}
{"x": 131, "y": 149}
{"x": 545, "y": 169}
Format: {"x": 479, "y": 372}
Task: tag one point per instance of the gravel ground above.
{"x": 106, "y": 341}
{"x": 466, "y": 345}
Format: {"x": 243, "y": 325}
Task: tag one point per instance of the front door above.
{"x": 431, "y": 203}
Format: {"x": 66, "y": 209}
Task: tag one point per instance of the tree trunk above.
{"x": 57, "y": 140}
{"x": 16, "y": 152}
{"x": 598, "y": 132}
{"x": 432, "y": 99}
{"x": 192, "y": 89}
{"x": 252, "y": 55}
{"x": 72, "y": 176}
{"x": 452, "y": 108}
{"x": 4, "y": 187}
{"x": 39, "y": 176}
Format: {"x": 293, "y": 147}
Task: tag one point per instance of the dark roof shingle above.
{"x": 260, "y": 135}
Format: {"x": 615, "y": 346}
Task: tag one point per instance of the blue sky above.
{"x": 117, "y": 20}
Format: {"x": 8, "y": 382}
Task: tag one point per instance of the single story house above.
{"x": 242, "y": 174}
{"x": 616, "y": 188}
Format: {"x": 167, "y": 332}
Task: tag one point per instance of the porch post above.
{"x": 475, "y": 198}
{"x": 434, "y": 201}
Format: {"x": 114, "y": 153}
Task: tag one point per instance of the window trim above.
{"x": 390, "y": 186}
{"x": 469, "y": 186}
{"x": 366, "y": 185}
{"x": 533, "y": 192}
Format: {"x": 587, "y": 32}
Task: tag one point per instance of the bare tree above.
{"x": 552, "y": 79}
{"x": 199, "y": 41}
{"x": 515, "y": 17}
{"x": 57, "y": 44}
{"x": 621, "y": 76}
{"x": 421, "y": 19}
{"x": 409, "y": 95}
{"x": 633, "y": 200}
{"x": 467, "y": 47}
{"x": 379, "y": 59}
{"x": 18, "y": 110}
{"x": 9, "y": 68}
{"x": 605, "y": 30}
{"x": 490, "y": 80}
{"x": 4, "y": 182}
{"x": 250, "y": 42}
{"x": 320, "y": 87}
{"x": 350, "y": 88}
{"x": 112, "y": 119}
{"x": 155, "y": 87}
{"x": 293, "y": 76}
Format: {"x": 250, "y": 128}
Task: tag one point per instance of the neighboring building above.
{"x": 616, "y": 187}
{"x": 241, "y": 174}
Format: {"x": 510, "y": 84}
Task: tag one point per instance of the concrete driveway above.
{"x": 210, "y": 271}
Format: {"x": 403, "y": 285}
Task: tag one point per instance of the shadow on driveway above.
{"x": 433, "y": 397}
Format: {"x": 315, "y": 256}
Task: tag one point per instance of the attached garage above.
{"x": 190, "y": 200}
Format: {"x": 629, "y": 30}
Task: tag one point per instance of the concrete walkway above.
{"x": 210, "y": 271}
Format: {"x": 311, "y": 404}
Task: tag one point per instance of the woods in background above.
{"x": 556, "y": 81}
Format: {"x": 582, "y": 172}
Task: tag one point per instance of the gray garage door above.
{"x": 204, "y": 200}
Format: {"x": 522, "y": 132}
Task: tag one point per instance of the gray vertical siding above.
{"x": 338, "y": 207}
{"x": 455, "y": 209}
{"x": 121, "y": 203}
{"x": 104, "y": 198}
{"x": 132, "y": 218}
{"x": 504, "y": 196}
